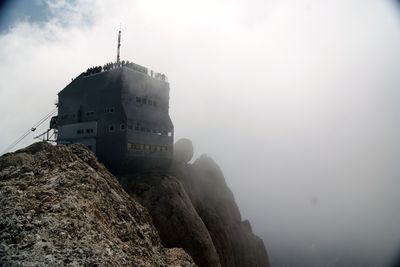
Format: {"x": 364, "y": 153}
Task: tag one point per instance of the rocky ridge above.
{"x": 192, "y": 207}
{"x": 60, "y": 207}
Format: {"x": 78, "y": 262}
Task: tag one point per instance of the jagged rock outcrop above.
{"x": 214, "y": 201}
{"x": 60, "y": 207}
{"x": 174, "y": 216}
{"x": 193, "y": 208}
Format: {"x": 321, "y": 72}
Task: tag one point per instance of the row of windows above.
{"x": 143, "y": 100}
{"x": 111, "y": 128}
{"x": 144, "y": 129}
{"x": 155, "y": 148}
{"x": 89, "y": 113}
{"x": 82, "y": 131}
{"x": 109, "y": 110}
{"x": 149, "y": 130}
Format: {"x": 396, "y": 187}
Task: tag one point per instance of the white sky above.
{"x": 295, "y": 100}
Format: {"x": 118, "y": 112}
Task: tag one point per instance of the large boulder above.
{"x": 183, "y": 150}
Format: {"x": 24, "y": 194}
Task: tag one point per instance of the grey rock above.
{"x": 183, "y": 150}
{"x": 193, "y": 208}
{"x": 73, "y": 212}
{"x": 174, "y": 216}
{"x": 214, "y": 201}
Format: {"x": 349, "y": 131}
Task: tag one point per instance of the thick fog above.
{"x": 297, "y": 101}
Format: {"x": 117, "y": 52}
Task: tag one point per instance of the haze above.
{"x": 295, "y": 100}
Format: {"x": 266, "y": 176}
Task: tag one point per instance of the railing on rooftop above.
{"x": 123, "y": 63}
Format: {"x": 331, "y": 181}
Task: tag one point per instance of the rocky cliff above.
{"x": 60, "y": 207}
{"x": 193, "y": 208}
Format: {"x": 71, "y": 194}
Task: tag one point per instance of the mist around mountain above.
{"x": 60, "y": 206}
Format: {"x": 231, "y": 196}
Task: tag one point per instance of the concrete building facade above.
{"x": 120, "y": 112}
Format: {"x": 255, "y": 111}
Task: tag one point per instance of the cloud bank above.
{"x": 296, "y": 100}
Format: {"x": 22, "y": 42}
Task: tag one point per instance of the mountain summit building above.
{"x": 121, "y": 113}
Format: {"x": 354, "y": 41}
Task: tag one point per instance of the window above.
{"x": 64, "y": 116}
{"x": 80, "y": 131}
{"x": 138, "y": 99}
{"x": 137, "y": 128}
{"x": 122, "y": 127}
{"x": 130, "y": 127}
{"x": 155, "y": 103}
{"x": 144, "y": 100}
{"x": 169, "y": 133}
{"x": 148, "y": 130}
{"x": 89, "y": 131}
{"x": 90, "y": 113}
{"x": 111, "y": 128}
{"x": 108, "y": 110}
{"x": 150, "y": 102}
{"x": 164, "y": 148}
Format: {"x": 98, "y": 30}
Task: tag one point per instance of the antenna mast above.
{"x": 119, "y": 42}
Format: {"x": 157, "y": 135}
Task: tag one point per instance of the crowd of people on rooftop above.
{"x": 114, "y": 65}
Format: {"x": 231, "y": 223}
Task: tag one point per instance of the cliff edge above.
{"x": 193, "y": 208}
{"x": 60, "y": 207}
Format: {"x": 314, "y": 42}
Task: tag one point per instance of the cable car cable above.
{"x": 32, "y": 129}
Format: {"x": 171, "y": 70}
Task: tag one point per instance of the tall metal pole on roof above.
{"x": 119, "y": 42}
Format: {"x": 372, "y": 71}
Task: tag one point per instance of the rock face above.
{"x": 233, "y": 238}
{"x": 193, "y": 208}
{"x": 174, "y": 216}
{"x": 59, "y": 206}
